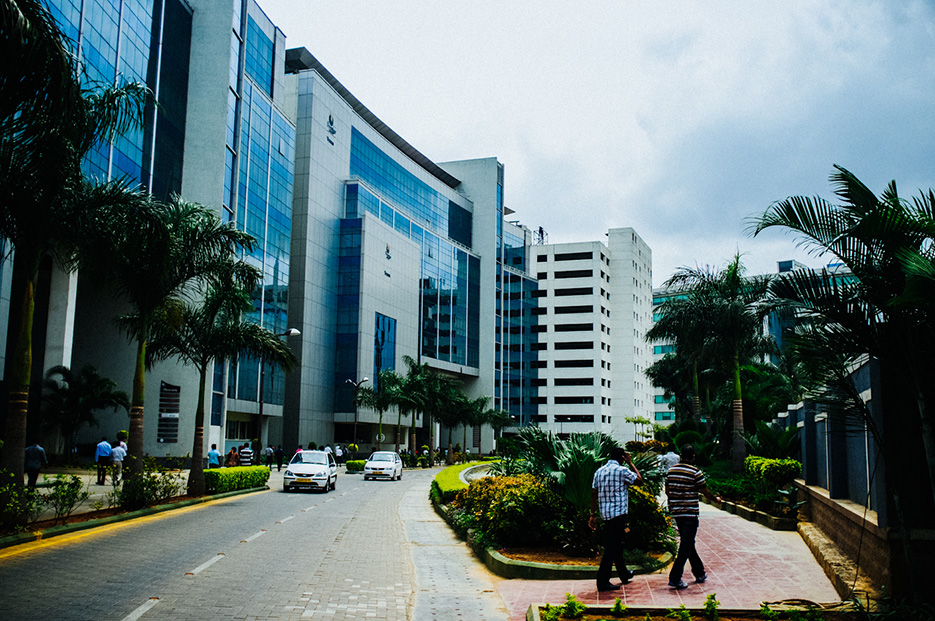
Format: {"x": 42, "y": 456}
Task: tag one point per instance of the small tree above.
{"x": 69, "y": 401}
{"x": 380, "y": 397}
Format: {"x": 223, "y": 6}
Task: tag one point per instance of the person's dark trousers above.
{"x": 278, "y": 465}
{"x": 615, "y": 533}
{"x": 33, "y": 476}
{"x": 102, "y": 464}
{"x": 688, "y": 528}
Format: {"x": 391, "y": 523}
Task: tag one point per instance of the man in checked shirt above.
{"x": 609, "y": 492}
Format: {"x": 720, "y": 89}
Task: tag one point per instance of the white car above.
{"x": 384, "y": 464}
{"x": 311, "y": 470}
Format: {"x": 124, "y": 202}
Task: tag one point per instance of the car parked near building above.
{"x": 311, "y": 470}
{"x": 384, "y": 464}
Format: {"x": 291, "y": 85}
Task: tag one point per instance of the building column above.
{"x": 60, "y": 330}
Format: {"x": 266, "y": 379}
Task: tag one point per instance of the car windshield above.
{"x": 307, "y": 457}
{"x": 382, "y": 457}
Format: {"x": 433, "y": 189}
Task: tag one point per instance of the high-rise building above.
{"x": 394, "y": 255}
{"x": 595, "y": 303}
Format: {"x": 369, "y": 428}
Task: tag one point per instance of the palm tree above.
{"x": 685, "y": 321}
{"x": 69, "y": 401}
{"x": 213, "y": 331}
{"x": 472, "y": 412}
{"x": 499, "y": 420}
{"x": 735, "y": 324}
{"x": 382, "y": 396}
{"x": 883, "y": 307}
{"x": 47, "y": 125}
{"x": 158, "y": 255}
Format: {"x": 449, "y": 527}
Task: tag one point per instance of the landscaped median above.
{"x": 445, "y": 488}
{"x": 233, "y": 482}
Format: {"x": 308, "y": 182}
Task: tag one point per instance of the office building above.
{"x": 594, "y": 310}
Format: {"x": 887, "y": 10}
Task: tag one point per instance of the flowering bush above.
{"x": 509, "y": 510}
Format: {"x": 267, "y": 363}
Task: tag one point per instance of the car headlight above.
{"x": 319, "y": 475}
{"x": 289, "y": 473}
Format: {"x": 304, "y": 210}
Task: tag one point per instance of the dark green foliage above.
{"x": 772, "y": 440}
{"x": 153, "y": 484}
{"x": 220, "y": 480}
{"x": 66, "y": 493}
{"x": 711, "y": 606}
{"x": 573, "y": 609}
{"x": 688, "y": 437}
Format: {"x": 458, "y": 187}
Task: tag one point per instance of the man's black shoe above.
{"x": 608, "y": 587}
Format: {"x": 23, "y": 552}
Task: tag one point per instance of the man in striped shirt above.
{"x": 609, "y": 491}
{"x": 683, "y": 484}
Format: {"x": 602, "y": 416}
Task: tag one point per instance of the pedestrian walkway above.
{"x": 746, "y": 563}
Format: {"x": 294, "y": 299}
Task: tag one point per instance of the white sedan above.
{"x": 311, "y": 470}
{"x": 385, "y": 464}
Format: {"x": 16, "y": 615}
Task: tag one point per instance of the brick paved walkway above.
{"x": 746, "y": 563}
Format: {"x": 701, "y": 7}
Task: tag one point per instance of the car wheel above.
{"x": 286, "y": 489}
{"x": 400, "y": 477}
{"x": 334, "y": 484}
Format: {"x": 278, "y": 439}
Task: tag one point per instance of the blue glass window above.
{"x": 258, "y": 64}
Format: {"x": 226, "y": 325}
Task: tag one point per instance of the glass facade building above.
{"x": 145, "y": 41}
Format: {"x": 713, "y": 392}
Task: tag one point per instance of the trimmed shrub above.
{"x": 220, "y": 480}
{"x": 649, "y": 526}
{"x": 771, "y": 474}
{"x": 688, "y": 437}
{"x": 449, "y": 482}
{"x": 510, "y": 510}
{"x": 355, "y": 465}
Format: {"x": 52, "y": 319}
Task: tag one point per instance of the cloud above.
{"x": 679, "y": 119}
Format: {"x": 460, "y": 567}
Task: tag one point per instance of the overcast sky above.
{"x": 679, "y": 119}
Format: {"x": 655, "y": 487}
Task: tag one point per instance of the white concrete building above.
{"x": 595, "y": 304}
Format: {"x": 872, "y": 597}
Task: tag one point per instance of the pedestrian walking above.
{"x": 117, "y": 455}
{"x": 214, "y": 457}
{"x": 683, "y": 484}
{"x": 269, "y": 456}
{"x": 246, "y": 455}
{"x": 102, "y": 458}
{"x": 35, "y": 460}
{"x": 339, "y": 454}
{"x": 233, "y": 458}
{"x": 610, "y": 493}
{"x": 279, "y": 456}
{"x": 669, "y": 459}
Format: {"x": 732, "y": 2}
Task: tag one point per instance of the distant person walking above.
{"x": 610, "y": 493}
{"x": 117, "y": 455}
{"x": 102, "y": 458}
{"x": 246, "y": 455}
{"x": 339, "y": 454}
{"x": 214, "y": 457}
{"x": 279, "y": 457}
{"x": 269, "y": 456}
{"x": 35, "y": 460}
{"x": 683, "y": 484}
{"x": 233, "y": 458}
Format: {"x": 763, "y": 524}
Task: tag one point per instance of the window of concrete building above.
{"x": 574, "y": 327}
{"x": 573, "y": 310}
{"x": 574, "y": 345}
{"x": 573, "y": 364}
{"x": 574, "y": 274}
{"x": 574, "y": 291}
{"x": 573, "y": 256}
{"x": 577, "y": 400}
{"x": 574, "y": 381}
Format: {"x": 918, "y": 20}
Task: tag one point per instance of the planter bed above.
{"x": 596, "y": 613}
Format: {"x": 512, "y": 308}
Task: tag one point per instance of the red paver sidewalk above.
{"x": 746, "y": 564}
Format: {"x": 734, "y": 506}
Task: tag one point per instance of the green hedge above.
{"x": 771, "y": 474}
{"x": 355, "y": 465}
{"x": 448, "y": 482}
{"x": 220, "y": 480}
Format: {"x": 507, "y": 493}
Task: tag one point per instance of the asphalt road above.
{"x": 369, "y": 549}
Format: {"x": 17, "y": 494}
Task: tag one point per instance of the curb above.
{"x": 55, "y": 531}
{"x": 528, "y": 570}
{"x": 769, "y": 521}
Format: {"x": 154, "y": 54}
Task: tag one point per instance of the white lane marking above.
{"x": 309, "y": 509}
{"x": 330, "y": 499}
{"x": 254, "y": 536}
{"x": 139, "y": 612}
{"x": 285, "y": 519}
{"x": 206, "y": 565}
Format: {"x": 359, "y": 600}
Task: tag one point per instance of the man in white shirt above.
{"x": 117, "y": 455}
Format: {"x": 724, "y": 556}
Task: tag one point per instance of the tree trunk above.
{"x": 14, "y": 449}
{"x": 696, "y": 397}
{"x": 739, "y": 447}
{"x": 136, "y": 411}
{"x": 399, "y": 427}
{"x": 196, "y": 476}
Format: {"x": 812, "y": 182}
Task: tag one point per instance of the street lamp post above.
{"x": 356, "y": 386}
{"x": 289, "y": 332}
